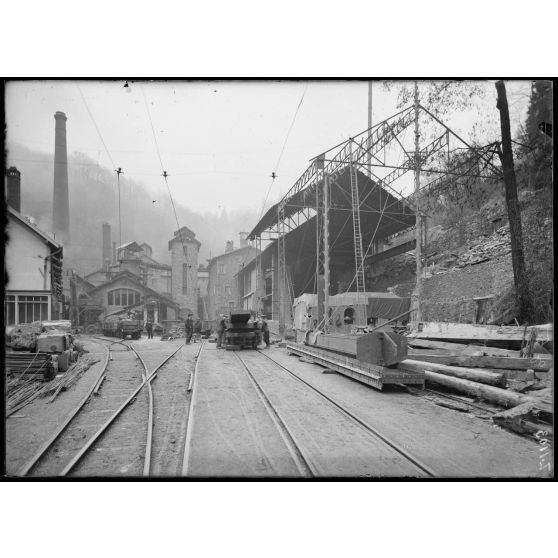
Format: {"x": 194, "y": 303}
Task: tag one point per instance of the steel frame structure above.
{"x": 359, "y": 152}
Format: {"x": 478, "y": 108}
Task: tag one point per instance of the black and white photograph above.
{"x": 279, "y": 279}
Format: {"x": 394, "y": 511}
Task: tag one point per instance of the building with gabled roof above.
{"x": 33, "y": 263}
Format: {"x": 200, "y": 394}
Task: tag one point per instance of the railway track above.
{"x": 70, "y": 449}
{"x": 314, "y": 428}
{"x": 350, "y": 416}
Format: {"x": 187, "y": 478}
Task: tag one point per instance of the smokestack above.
{"x": 229, "y": 246}
{"x": 106, "y": 243}
{"x": 14, "y": 188}
{"x": 60, "y": 200}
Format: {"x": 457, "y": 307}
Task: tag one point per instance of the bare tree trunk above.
{"x": 518, "y": 260}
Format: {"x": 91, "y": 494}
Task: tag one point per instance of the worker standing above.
{"x": 149, "y": 329}
{"x": 189, "y": 327}
{"x": 265, "y": 331}
{"x": 221, "y": 331}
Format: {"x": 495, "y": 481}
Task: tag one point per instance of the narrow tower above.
{"x": 60, "y": 200}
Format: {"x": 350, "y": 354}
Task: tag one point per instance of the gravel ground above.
{"x": 453, "y": 443}
{"x": 233, "y": 434}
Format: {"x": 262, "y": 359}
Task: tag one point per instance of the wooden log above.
{"x": 472, "y": 374}
{"x": 460, "y": 348}
{"x": 489, "y": 393}
{"x": 519, "y": 419}
{"x": 507, "y": 363}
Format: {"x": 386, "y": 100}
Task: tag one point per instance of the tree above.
{"x": 506, "y": 157}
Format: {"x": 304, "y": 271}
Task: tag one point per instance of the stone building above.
{"x": 222, "y": 289}
{"x": 184, "y": 248}
{"x": 135, "y": 258}
{"x": 203, "y": 280}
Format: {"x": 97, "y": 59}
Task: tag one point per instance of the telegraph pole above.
{"x": 418, "y": 227}
{"x": 118, "y": 173}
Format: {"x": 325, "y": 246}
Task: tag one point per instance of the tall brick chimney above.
{"x": 13, "y": 195}
{"x": 60, "y": 200}
{"x": 107, "y": 255}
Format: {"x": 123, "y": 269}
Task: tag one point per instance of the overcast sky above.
{"x": 218, "y": 141}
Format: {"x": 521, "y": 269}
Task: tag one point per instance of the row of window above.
{"x": 24, "y": 309}
{"x": 123, "y": 297}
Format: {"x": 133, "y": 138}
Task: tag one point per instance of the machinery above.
{"x": 241, "y": 334}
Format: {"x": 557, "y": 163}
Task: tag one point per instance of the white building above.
{"x": 34, "y": 272}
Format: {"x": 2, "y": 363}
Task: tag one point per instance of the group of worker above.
{"x": 260, "y": 323}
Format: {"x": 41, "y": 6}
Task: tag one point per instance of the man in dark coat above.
{"x": 221, "y": 328}
{"x": 189, "y": 327}
{"x": 149, "y": 329}
{"x": 265, "y": 332}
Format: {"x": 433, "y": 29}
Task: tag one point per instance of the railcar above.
{"x": 122, "y": 327}
{"x": 241, "y": 333}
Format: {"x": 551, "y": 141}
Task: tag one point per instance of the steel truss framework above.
{"x": 305, "y": 199}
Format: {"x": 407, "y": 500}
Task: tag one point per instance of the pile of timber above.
{"x": 37, "y": 366}
{"x": 505, "y": 337}
{"x": 23, "y": 389}
{"x": 500, "y": 376}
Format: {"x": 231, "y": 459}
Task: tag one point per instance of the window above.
{"x": 228, "y": 290}
{"x": 9, "y": 309}
{"x": 123, "y": 297}
{"x": 24, "y": 309}
{"x": 222, "y": 269}
{"x": 231, "y": 305}
{"x": 185, "y": 279}
{"x": 349, "y": 316}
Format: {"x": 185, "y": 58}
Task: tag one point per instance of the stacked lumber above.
{"x": 38, "y": 366}
{"x": 24, "y": 389}
{"x": 459, "y": 357}
{"x": 508, "y": 337}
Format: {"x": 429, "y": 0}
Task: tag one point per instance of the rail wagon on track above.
{"x": 122, "y": 327}
{"x": 242, "y": 333}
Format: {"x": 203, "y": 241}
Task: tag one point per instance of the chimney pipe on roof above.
{"x": 13, "y": 180}
{"x": 60, "y": 199}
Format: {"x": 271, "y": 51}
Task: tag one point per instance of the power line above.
{"x": 165, "y": 175}
{"x": 274, "y": 173}
{"x": 95, "y": 124}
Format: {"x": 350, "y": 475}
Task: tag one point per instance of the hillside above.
{"x": 94, "y": 200}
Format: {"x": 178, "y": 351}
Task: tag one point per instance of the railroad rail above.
{"x": 371, "y": 430}
{"x": 146, "y": 379}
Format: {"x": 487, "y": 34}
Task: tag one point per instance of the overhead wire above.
{"x": 274, "y": 173}
{"x": 95, "y": 124}
{"x": 165, "y": 175}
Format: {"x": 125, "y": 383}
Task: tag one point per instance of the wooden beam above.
{"x": 506, "y": 363}
{"x": 473, "y": 332}
{"x": 460, "y": 348}
{"x": 473, "y": 374}
{"x": 496, "y": 395}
